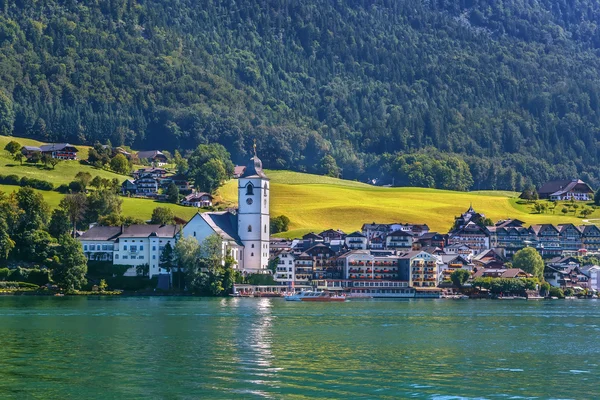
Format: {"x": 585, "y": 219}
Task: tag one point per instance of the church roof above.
{"x": 224, "y": 224}
{"x": 254, "y": 169}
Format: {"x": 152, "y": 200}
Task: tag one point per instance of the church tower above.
{"x": 253, "y": 216}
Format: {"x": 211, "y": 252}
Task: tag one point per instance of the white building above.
{"x": 356, "y": 241}
{"x": 133, "y": 245}
{"x": 245, "y": 234}
{"x": 285, "y": 272}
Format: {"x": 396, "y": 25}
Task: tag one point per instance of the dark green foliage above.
{"x": 59, "y": 223}
{"x": 279, "y": 224}
{"x": 76, "y": 187}
{"x": 506, "y": 285}
{"x": 569, "y": 292}
{"x": 556, "y": 292}
{"x": 459, "y": 277}
{"x": 69, "y": 273}
{"x": 13, "y": 147}
{"x": 172, "y": 193}
{"x": 4, "y": 274}
{"x": 210, "y": 166}
{"x": 120, "y": 164}
{"x": 511, "y": 86}
{"x": 25, "y": 181}
{"x": 64, "y": 188}
{"x": 162, "y": 216}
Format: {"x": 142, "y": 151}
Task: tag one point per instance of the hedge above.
{"x": 25, "y": 181}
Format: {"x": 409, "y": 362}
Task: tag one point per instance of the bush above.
{"x": 64, "y": 188}
{"x": 10, "y": 180}
{"x": 36, "y": 183}
{"x": 76, "y": 187}
{"x": 17, "y": 285}
{"x": 4, "y": 273}
{"x": 557, "y": 292}
{"x": 569, "y": 292}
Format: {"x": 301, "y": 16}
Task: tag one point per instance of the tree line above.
{"x": 358, "y": 89}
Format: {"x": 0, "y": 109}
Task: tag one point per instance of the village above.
{"x": 397, "y": 260}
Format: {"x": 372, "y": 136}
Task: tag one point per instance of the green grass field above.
{"x": 315, "y": 203}
{"x": 65, "y": 172}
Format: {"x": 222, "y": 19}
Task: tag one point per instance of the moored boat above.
{"x": 321, "y": 296}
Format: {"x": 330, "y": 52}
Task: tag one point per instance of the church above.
{"x": 244, "y": 234}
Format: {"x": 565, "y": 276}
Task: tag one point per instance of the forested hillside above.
{"x": 401, "y": 90}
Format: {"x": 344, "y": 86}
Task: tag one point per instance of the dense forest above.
{"x": 468, "y": 94}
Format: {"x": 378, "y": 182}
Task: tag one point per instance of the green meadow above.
{"x": 315, "y": 203}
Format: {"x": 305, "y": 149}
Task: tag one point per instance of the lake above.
{"x": 189, "y": 348}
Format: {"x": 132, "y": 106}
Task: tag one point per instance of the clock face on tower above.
{"x": 249, "y": 201}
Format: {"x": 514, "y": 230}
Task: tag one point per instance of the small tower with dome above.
{"x": 253, "y": 216}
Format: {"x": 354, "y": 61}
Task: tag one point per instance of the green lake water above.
{"x": 190, "y": 348}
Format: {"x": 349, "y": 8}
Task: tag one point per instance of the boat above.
{"x": 268, "y": 294}
{"x": 316, "y": 296}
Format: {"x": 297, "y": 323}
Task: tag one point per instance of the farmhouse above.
{"x": 575, "y": 189}
{"x": 153, "y": 156}
{"x": 200, "y": 199}
{"x": 60, "y": 151}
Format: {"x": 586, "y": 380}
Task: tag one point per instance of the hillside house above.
{"x": 200, "y": 199}
{"x": 356, "y": 241}
{"x": 154, "y": 157}
{"x": 575, "y": 189}
{"x": 399, "y": 240}
{"x": 60, "y": 151}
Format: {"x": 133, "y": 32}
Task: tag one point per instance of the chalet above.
{"x": 590, "y": 237}
{"x": 575, "y": 189}
{"x": 431, "y": 239}
{"x": 569, "y": 237}
{"x": 468, "y": 216}
{"x": 472, "y": 235}
{"x": 128, "y": 187}
{"x": 399, "y": 240}
{"x": 156, "y": 173}
{"x": 153, "y": 156}
{"x": 510, "y": 235}
{"x": 450, "y": 263}
{"x": 332, "y": 234}
{"x": 488, "y": 259}
{"x": 421, "y": 267}
{"x": 593, "y": 274}
{"x": 147, "y": 186}
{"x": 60, "y": 151}
{"x": 547, "y": 239}
{"x": 183, "y": 185}
{"x": 356, "y": 241}
{"x": 200, "y": 199}
{"x": 310, "y": 239}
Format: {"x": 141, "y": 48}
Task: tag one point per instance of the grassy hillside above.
{"x": 65, "y": 172}
{"x": 314, "y": 203}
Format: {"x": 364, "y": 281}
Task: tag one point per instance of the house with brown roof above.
{"x": 510, "y": 273}
{"x": 566, "y": 189}
{"x": 153, "y": 156}
{"x": 198, "y": 199}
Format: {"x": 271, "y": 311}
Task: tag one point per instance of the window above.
{"x": 92, "y": 247}
{"x": 249, "y": 190}
{"x": 249, "y": 228}
{"x": 132, "y": 248}
{"x": 265, "y": 191}
{"x": 265, "y": 203}
{"x": 194, "y": 233}
{"x": 153, "y": 248}
{"x": 85, "y": 247}
{"x": 265, "y": 228}
{"x": 154, "y": 257}
{"x": 124, "y": 257}
{"x": 140, "y": 257}
{"x": 125, "y": 247}
{"x": 252, "y": 245}
{"x": 116, "y": 256}
{"x": 251, "y": 254}
{"x": 141, "y": 248}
